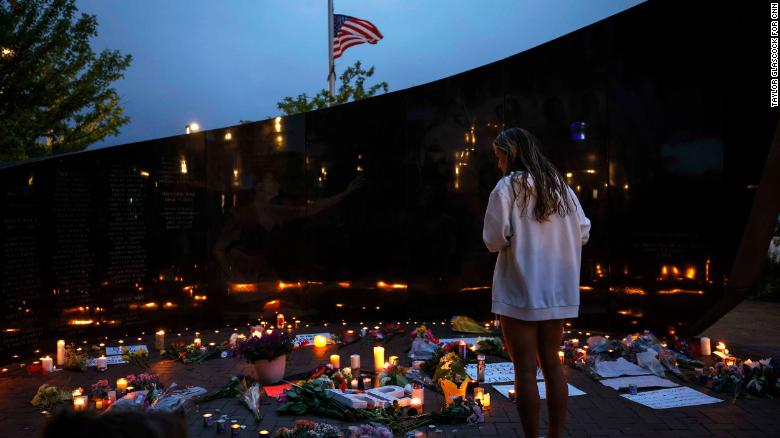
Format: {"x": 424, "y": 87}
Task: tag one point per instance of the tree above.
{"x": 347, "y": 92}
{"x": 55, "y": 93}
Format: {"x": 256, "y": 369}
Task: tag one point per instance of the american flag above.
{"x": 351, "y": 31}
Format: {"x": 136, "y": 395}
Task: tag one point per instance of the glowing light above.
{"x": 283, "y": 285}
{"x": 475, "y": 288}
{"x": 569, "y": 174}
{"x": 320, "y": 341}
{"x": 151, "y": 305}
{"x": 192, "y": 127}
{"x": 339, "y": 305}
{"x": 690, "y": 272}
{"x": 588, "y": 288}
{"x": 6, "y": 52}
{"x": 81, "y": 321}
{"x": 200, "y": 297}
{"x": 345, "y": 284}
{"x": 383, "y": 285}
{"x": 278, "y": 124}
{"x": 680, "y": 291}
{"x": 228, "y": 136}
{"x": 242, "y": 287}
{"x": 169, "y": 305}
{"x": 183, "y": 166}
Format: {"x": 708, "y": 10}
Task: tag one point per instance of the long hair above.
{"x": 524, "y": 155}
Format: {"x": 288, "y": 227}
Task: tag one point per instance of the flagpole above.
{"x": 331, "y": 66}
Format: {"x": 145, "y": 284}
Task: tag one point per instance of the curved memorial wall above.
{"x": 658, "y": 116}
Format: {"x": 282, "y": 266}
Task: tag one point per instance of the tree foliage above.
{"x": 352, "y": 88}
{"x": 55, "y": 92}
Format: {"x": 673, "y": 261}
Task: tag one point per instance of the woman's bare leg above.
{"x": 521, "y": 343}
{"x": 549, "y": 341}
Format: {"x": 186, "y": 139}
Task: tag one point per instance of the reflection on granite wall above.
{"x": 373, "y": 210}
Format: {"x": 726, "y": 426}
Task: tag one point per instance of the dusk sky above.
{"x": 218, "y": 62}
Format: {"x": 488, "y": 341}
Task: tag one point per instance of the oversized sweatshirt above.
{"x": 537, "y": 272}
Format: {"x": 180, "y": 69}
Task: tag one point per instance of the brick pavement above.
{"x": 600, "y": 413}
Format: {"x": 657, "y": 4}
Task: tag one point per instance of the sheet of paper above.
{"x": 110, "y": 360}
{"x": 308, "y": 339}
{"x": 470, "y": 341}
{"x": 276, "y": 390}
{"x": 498, "y": 372}
{"x": 640, "y": 382}
{"x": 621, "y": 367}
{"x": 504, "y": 390}
{"x": 672, "y": 398}
{"x": 113, "y": 351}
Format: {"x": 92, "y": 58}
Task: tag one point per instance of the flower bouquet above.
{"x": 234, "y": 388}
{"x": 423, "y": 343}
{"x": 189, "y": 353}
{"x": 75, "y": 358}
{"x": 762, "y": 378}
{"x": 369, "y": 431}
{"x": 251, "y": 398}
{"x": 49, "y": 395}
{"x": 450, "y": 367}
{"x": 139, "y": 358}
{"x": 309, "y": 429}
{"x": 393, "y": 375}
{"x": 100, "y": 389}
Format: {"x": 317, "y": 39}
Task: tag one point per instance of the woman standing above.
{"x": 536, "y": 224}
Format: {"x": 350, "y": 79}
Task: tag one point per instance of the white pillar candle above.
{"x": 159, "y": 340}
{"x": 196, "y": 343}
{"x": 418, "y": 392}
{"x": 60, "y": 353}
{"x": 706, "y": 348}
{"x": 354, "y": 383}
{"x": 354, "y": 361}
{"x": 379, "y": 358}
{"x": 47, "y": 364}
{"x": 335, "y": 360}
{"x": 101, "y": 364}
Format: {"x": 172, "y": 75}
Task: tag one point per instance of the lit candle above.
{"x": 354, "y": 383}
{"x": 575, "y": 342}
{"x": 354, "y": 361}
{"x": 80, "y": 403}
{"x": 418, "y": 392}
{"x": 479, "y": 393}
{"x": 721, "y": 347}
{"x": 60, "y": 353}
{"x": 264, "y": 432}
{"x": 101, "y": 363}
{"x": 320, "y": 341}
{"x": 159, "y": 340}
{"x": 512, "y": 395}
{"x": 706, "y": 348}
{"x": 208, "y": 419}
{"x": 416, "y": 403}
{"x": 76, "y": 392}
{"x": 560, "y": 356}
{"x": 47, "y": 364}
{"x": 121, "y": 384}
{"x": 196, "y": 343}
{"x": 730, "y": 360}
{"x": 257, "y": 334}
{"x": 280, "y": 321}
{"x": 335, "y": 360}
{"x": 393, "y": 360}
{"x": 111, "y": 397}
{"x": 379, "y": 358}
{"x": 98, "y": 404}
{"x": 486, "y": 400}
{"x": 481, "y": 368}
{"x": 235, "y": 430}
{"x": 366, "y": 382}
{"x": 462, "y": 348}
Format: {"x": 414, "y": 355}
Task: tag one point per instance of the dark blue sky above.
{"x": 218, "y": 62}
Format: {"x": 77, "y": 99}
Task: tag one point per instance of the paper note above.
{"x": 640, "y": 382}
{"x": 113, "y": 351}
{"x": 616, "y": 368}
{"x": 672, "y": 398}
{"x": 504, "y": 390}
{"x": 110, "y": 360}
{"x": 276, "y": 390}
{"x": 308, "y": 339}
{"x": 498, "y": 372}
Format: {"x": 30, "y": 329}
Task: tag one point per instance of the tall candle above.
{"x": 354, "y": 362}
{"x": 486, "y": 400}
{"x": 320, "y": 341}
{"x": 79, "y": 403}
{"x": 60, "y": 353}
{"x": 706, "y": 348}
{"x": 462, "y": 348}
{"x": 335, "y": 360}
{"x": 257, "y": 334}
{"x": 196, "y": 342}
{"x": 47, "y": 364}
{"x": 379, "y": 358}
{"x": 101, "y": 363}
{"x": 159, "y": 340}
{"x": 419, "y": 393}
{"x": 354, "y": 383}
{"x": 280, "y": 321}
{"x": 560, "y": 356}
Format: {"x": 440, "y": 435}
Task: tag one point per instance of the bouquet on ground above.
{"x": 189, "y": 353}
{"x": 100, "y": 389}
{"x": 423, "y": 343}
{"x": 49, "y": 395}
{"x": 450, "y": 367}
{"x": 146, "y": 381}
{"x": 393, "y": 375}
{"x": 267, "y": 347}
{"x": 369, "y": 431}
{"x": 139, "y": 357}
{"x": 309, "y": 429}
{"x": 762, "y": 378}
{"x": 232, "y": 389}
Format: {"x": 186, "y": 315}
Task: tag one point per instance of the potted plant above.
{"x": 268, "y": 354}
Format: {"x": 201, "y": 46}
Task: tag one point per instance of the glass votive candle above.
{"x": 208, "y": 419}
{"x": 98, "y": 404}
{"x": 366, "y": 382}
{"x": 354, "y": 384}
{"x": 80, "y": 403}
{"x": 121, "y": 384}
{"x": 235, "y": 430}
{"x": 221, "y": 425}
{"x": 512, "y": 395}
{"x": 479, "y": 393}
{"x": 264, "y": 433}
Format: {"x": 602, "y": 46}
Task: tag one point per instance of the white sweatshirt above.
{"x": 537, "y": 273}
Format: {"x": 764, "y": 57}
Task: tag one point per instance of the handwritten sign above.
{"x": 113, "y": 351}
{"x": 498, "y": 372}
{"x": 540, "y": 387}
{"x": 110, "y": 360}
{"x": 671, "y": 398}
{"x": 621, "y": 367}
{"x": 470, "y": 341}
{"x": 651, "y": 381}
{"x": 308, "y": 339}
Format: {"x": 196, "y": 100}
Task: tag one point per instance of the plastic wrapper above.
{"x": 177, "y": 399}
{"x": 134, "y": 401}
{"x": 466, "y": 325}
{"x": 422, "y": 349}
{"x": 649, "y": 359}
